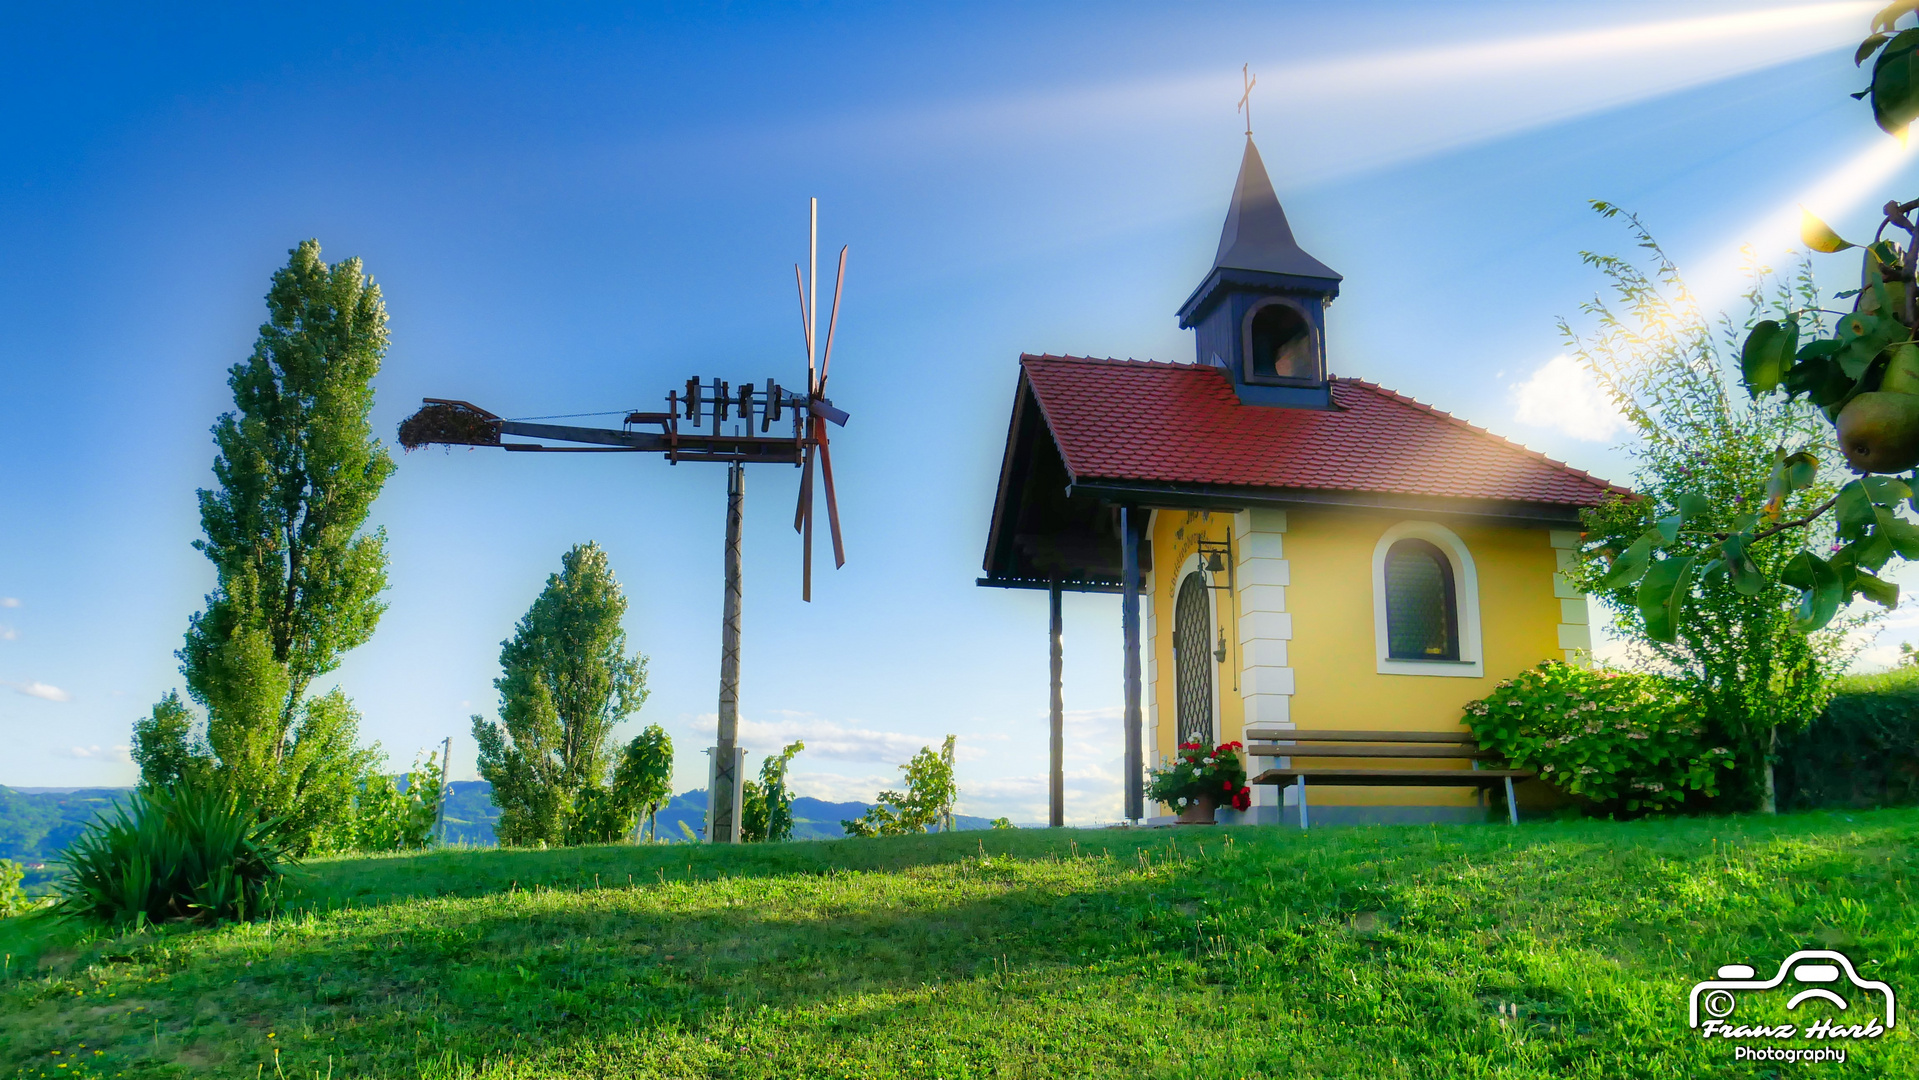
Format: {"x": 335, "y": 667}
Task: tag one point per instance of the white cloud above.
{"x": 8, "y": 633}
{"x": 830, "y": 739}
{"x": 831, "y": 787}
{"x": 9, "y": 601}
{"x": 1093, "y": 795}
{"x": 41, "y": 690}
{"x": 1371, "y": 109}
{"x": 122, "y": 754}
{"x": 1562, "y": 395}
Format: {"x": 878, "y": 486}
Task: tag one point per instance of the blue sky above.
{"x": 573, "y": 208}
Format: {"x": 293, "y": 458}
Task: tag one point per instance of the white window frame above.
{"x": 1471, "y": 663}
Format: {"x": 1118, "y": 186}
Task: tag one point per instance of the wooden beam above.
{"x": 1219, "y": 497}
{"x": 1056, "y": 771}
{"x": 723, "y": 814}
{"x": 1066, "y": 584}
{"x": 1323, "y": 735}
{"x": 1453, "y": 753}
{"x": 1129, "y": 626}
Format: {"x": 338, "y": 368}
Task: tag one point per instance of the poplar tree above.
{"x": 565, "y": 682}
{"x": 298, "y": 581}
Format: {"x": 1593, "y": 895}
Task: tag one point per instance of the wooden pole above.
{"x": 1129, "y": 625}
{"x": 1056, "y": 776}
{"x": 725, "y": 816}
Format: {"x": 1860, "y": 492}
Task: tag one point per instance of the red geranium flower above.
{"x": 1226, "y": 785}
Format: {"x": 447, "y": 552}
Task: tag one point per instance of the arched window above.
{"x": 1193, "y": 660}
{"x": 1280, "y": 344}
{"x": 1422, "y": 603}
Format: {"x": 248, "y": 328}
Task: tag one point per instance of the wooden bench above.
{"x": 1379, "y": 744}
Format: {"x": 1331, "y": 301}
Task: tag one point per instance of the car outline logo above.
{"x": 1733, "y": 977}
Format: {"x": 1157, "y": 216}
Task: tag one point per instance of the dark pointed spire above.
{"x": 1256, "y": 236}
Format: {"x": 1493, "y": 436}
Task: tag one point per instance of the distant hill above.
{"x": 35, "y": 823}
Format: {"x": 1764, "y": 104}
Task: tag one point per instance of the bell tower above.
{"x": 1260, "y": 313}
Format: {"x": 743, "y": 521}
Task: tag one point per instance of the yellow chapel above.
{"x": 1292, "y": 550}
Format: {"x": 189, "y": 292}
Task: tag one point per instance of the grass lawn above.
{"x": 1548, "y": 950}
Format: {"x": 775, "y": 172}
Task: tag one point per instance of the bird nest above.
{"x": 450, "y": 423}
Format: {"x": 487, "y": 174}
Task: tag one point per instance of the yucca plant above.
{"x": 182, "y": 853}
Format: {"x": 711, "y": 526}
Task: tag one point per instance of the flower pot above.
{"x": 1200, "y": 811}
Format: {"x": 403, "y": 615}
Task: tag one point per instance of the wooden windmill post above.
{"x": 447, "y": 422}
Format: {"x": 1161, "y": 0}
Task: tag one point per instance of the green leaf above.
{"x": 1798, "y": 571}
{"x": 1662, "y": 594}
{"x": 1746, "y": 577}
{"x": 1855, "y": 511}
{"x": 1713, "y": 571}
{"x": 1878, "y": 590}
{"x": 1688, "y": 507}
{"x": 1902, "y": 534}
{"x": 1895, "y": 83}
{"x": 1872, "y": 552}
{"x": 1886, "y": 490}
{"x": 1815, "y": 233}
{"x": 1631, "y": 563}
{"x": 1802, "y": 471}
{"x": 1862, "y": 337}
{"x": 1868, "y": 47}
{"x": 1890, "y": 14}
{"x": 1816, "y": 373}
{"x": 1768, "y": 355}
{"x": 1820, "y": 591}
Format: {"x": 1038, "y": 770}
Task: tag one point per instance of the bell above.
{"x": 1215, "y": 564}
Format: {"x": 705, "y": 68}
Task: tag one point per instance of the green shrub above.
{"x": 1862, "y": 751}
{"x": 766, "y": 807}
{"x": 1620, "y": 741}
{"x": 926, "y": 805}
{"x": 12, "y": 900}
{"x": 181, "y": 853}
{"x": 388, "y": 819}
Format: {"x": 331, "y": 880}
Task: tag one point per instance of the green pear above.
{"x": 1902, "y": 370}
{"x": 1879, "y": 432}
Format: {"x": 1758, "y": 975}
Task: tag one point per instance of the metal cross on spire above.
{"x": 1246, "y": 99}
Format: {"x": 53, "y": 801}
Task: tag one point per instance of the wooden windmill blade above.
{"x": 806, "y": 326}
{"x": 832, "y": 322}
{"x": 803, "y": 523}
{"x": 832, "y": 504}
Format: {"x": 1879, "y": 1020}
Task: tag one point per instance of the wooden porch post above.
{"x": 1129, "y": 625}
{"x": 1056, "y": 777}
{"x": 723, "y": 817}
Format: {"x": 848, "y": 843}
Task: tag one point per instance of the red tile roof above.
{"x": 1138, "y": 420}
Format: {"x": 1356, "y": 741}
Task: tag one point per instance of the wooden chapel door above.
{"x": 1193, "y": 660}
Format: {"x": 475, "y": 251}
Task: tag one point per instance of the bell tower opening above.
{"x": 1279, "y": 346}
